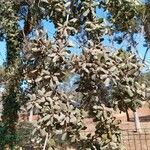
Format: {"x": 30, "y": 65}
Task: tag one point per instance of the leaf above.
{"x": 104, "y": 137}
{"x": 51, "y": 83}
{"x": 62, "y": 116}
{"x": 38, "y": 79}
{"x": 104, "y": 76}
{"x": 107, "y": 82}
{"x": 47, "y": 77}
{"x": 100, "y": 20}
{"x": 64, "y": 136}
{"x": 51, "y": 142}
{"x": 112, "y": 69}
{"x": 40, "y": 92}
{"x": 38, "y": 106}
{"x": 58, "y": 9}
{"x": 85, "y": 69}
{"x": 45, "y": 71}
{"x": 48, "y": 94}
{"x": 74, "y": 20}
{"x": 56, "y": 58}
{"x": 49, "y": 123}
{"x": 67, "y": 119}
{"x": 42, "y": 132}
{"x": 49, "y": 99}
{"x": 129, "y": 91}
{"x": 73, "y": 119}
{"x": 41, "y": 100}
{"x": 127, "y": 100}
{"x": 73, "y": 139}
{"x": 35, "y": 49}
{"x": 68, "y": 4}
{"x": 45, "y": 1}
{"x": 55, "y": 79}
{"x": 29, "y": 106}
{"x": 58, "y": 132}
{"x": 52, "y": 55}
{"x": 47, "y": 117}
{"x": 86, "y": 12}
{"x": 33, "y": 97}
{"x": 56, "y": 116}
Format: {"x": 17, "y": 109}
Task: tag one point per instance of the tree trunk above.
{"x": 137, "y": 122}
{"x": 127, "y": 115}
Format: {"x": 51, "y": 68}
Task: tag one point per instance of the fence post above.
{"x": 31, "y": 115}
{"x": 137, "y": 122}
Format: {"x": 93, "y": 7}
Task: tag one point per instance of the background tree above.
{"x": 129, "y": 18}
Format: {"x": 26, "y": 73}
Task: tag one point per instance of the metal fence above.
{"x": 136, "y": 140}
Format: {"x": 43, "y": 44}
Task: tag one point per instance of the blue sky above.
{"x": 2, "y": 52}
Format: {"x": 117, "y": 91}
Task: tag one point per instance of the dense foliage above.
{"x": 43, "y": 64}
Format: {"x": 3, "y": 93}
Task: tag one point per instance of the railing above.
{"x": 136, "y": 140}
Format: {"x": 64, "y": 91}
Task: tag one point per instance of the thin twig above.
{"x": 45, "y": 143}
{"x": 145, "y": 54}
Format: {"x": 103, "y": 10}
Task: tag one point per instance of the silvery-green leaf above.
{"x": 86, "y": 13}
{"x": 38, "y": 79}
{"x": 51, "y": 142}
{"x": 45, "y": 1}
{"x": 47, "y": 117}
{"x": 64, "y": 136}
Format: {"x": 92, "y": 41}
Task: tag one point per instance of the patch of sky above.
{"x": 21, "y": 24}
{"x": 69, "y": 85}
{"x": 100, "y": 13}
{"x": 49, "y": 27}
{"x": 24, "y": 85}
{"x": 144, "y": 1}
{"x": 75, "y": 49}
{"x": 2, "y": 52}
